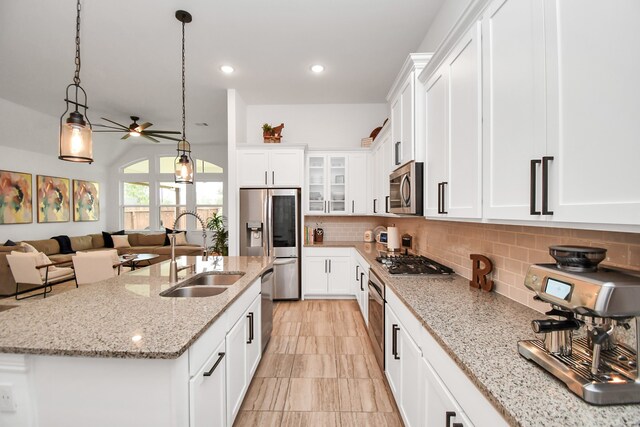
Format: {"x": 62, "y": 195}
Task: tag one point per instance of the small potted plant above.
{"x": 272, "y": 134}
{"x": 219, "y": 235}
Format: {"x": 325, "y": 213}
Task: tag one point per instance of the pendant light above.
{"x": 184, "y": 162}
{"x": 75, "y": 131}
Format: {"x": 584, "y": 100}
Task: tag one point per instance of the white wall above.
{"x": 237, "y": 129}
{"x": 30, "y": 144}
{"x": 321, "y": 126}
{"x": 447, "y": 16}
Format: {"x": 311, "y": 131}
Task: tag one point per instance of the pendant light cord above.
{"x": 76, "y": 77}
{"x": 184, "y": 137}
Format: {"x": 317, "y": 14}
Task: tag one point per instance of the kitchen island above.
{"x": 478, "y": 332}
{"x": 117, "y": 353}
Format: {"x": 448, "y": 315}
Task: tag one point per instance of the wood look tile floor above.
{"x": 318, "y": 370}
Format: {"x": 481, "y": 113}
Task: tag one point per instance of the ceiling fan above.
{"x": 135, "y": 129}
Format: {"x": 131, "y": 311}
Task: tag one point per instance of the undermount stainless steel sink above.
{"x": 204, "y": 285}
{"x": 209, "y": 279}
{"x": 194, "y": 291}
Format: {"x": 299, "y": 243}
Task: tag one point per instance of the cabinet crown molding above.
{"x": 414, "y": 62}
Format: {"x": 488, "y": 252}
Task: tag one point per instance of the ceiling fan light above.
{"x": 134, "y": 133}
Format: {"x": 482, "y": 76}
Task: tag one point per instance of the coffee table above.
{"x": 139, "y": 258}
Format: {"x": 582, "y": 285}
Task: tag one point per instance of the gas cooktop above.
{"x": 412, "y": 265}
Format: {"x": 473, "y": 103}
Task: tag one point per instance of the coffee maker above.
{"x": 589, "y": 305}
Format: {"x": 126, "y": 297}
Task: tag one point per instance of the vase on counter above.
{"x": 318, "y": 235}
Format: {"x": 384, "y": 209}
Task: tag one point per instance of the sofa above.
{"x": 140, "y": 243}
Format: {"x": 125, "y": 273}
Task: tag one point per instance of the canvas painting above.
{"x": 53, "y": 199}
{"x": 86, "y": 200}
{"x": 16, "y": 203}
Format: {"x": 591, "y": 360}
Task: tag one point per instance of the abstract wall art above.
{"x": 86, "y": 200}
{"x": 16, "y": 203}
{"x": 53, "y": 198}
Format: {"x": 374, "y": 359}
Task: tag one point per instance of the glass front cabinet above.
{"x": 326, "y": 180}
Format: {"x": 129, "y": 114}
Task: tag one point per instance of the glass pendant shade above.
{"x": 184, "y": 163}
{"x": 75, "y": 139}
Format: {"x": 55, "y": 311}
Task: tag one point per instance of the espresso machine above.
{"x": 590, "y": 307}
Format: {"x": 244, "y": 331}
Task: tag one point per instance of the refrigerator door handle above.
{"x": 284, "y": 261}
{"x": 269, "y": 224}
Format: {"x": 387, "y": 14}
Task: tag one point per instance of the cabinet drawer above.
{"x": 411, "y": 324}
{"x": 201, "y": 350}
{"x": 327, "y": 252}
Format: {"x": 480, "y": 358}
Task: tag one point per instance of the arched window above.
{"x": 151, "y": 200}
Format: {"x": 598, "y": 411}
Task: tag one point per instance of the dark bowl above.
{"x": 577, "y": 258}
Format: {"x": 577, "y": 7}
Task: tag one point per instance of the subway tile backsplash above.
{"x": 511, "y": 248}
{"x": 343, "y": 229}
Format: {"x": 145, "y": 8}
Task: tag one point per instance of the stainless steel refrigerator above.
{"x": 270, "y": 225}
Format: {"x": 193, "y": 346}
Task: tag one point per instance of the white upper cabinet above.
{"x": 513, "y": 106}
{"x": 359, "y": 186}
{"x": 406, "y": 106}
{"x": 593, "y": 110}
{"x": 270, "y": 167}
{"x": 454, "y": 132}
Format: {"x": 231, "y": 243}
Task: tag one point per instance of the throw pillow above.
{"x": 108, "y": 241}
{"x": 181, "y": 239}
{"x": 120, "y": 241}
{"x": 28, "y": 248}
{"x": 167, "y": 239}
{"x": 10, "y": 243}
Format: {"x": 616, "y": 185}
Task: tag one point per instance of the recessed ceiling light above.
{"x": 227, "y": 69}
{"x": 202, "y": 124}
{"x": 317, "y": 68}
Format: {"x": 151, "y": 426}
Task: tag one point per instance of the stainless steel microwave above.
{"x": 406, "y": 189}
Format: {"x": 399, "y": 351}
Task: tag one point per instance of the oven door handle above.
{"x": 375, "y": 293}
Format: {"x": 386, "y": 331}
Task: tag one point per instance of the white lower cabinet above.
{"x": 327, "y": 272}
{"x": 207, "y": 389}
{"x": 403, "y": 363}
{"x": 243, "y": 353}
{"x": 360, "y": 285}
{"x": 440, "y": 408}
{"x": 428, "y": 387}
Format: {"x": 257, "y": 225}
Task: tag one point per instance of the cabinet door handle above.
{"x": 394, "y": 341}
{"x": 325, "y": 265}
{"x": 329, "y": 266}
{"x": 215, "y": 365}
{"x": 545, "y": 185}
{"x": 375, "y": 210}
{"x": 532, "y": 188}
{"x": 361, "y": 287}
{"x": 457, "y": 425}
{"x": 265, "y": 178}
{"x": 444, "y": 184}
{"x": 397, "y": 152}
{"x": 386, "y": 204}
{"x": 353, "y": 206}
{"x": 449, "y": 415}
{"x": 273, "y": 177}
{"x": 357, "y": 271}
{"x": 250, "y": 317}
{"x": 439, "y": 197}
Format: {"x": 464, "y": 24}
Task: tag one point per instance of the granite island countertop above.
{"x": 480, "y": 331}
{"x": 125, "y": 317}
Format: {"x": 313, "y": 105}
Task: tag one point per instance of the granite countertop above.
{"x": 480, "y": 332}
{"x": 125, "y": 317}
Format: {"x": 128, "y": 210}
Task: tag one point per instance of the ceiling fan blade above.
{"x": 115, "y": 123}
{"x": 105, "y": 126}
{"x": 174, "y": 132}
{"x": 143, "y": 126}
{"x": 150, "y": 138}
{"x": 165, "y": 137}
{"x": 126, "y": 135}
{"x": 105, "y": 130}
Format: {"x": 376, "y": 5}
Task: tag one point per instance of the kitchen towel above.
{"x": 393, "y": 238}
